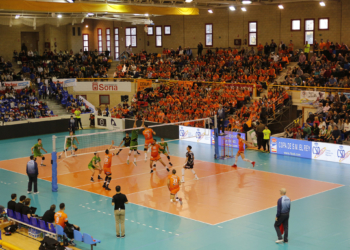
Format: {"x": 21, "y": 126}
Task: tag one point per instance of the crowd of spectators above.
{"x": 215, "y": 65}
{"x": 23, "y": 206}
{"x": 330, "y": 123}
{"x": 62, "y": 64}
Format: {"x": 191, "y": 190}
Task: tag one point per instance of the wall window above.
{"x": 116, "y": 43}
{"x": 159, "y": 41}
{"x": 150, "y": 31}
{"x": 73, "y": 31}
{"x": 309, "y": 32}
{"x": 79, "y": 31}
{"x": 295, "y": 25}
{"x": 108, "y": 39}
{"x": 167, "y": 30}
{"x": 208, "y": 35}
{"x": 104, "y": 99}
{"x": 252, "y": 33}
{"x": 99, "y": 40}
{"x": 85, "y": 42}
{"x": 130, "y": 37}
{"x": 323, "y": 23}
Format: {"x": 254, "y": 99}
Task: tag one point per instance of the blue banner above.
{"x": 230, "y": 139}
{"x": 292, "y": 147}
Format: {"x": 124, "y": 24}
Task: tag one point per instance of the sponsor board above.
{"x": 103, "y": 86}
{"x": 308, "y": 97}
{"x": 15, "y": 84}
{"x": 291, "y": 147}
{"x": 101, "y": 122}
{"x": 200, "y": 135}
{"x": 66, "y": 82}
{"x": 231, "y": 139}
{"x": 331, "y": 152}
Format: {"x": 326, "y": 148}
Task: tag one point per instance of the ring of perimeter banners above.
{"x": 310, "y": 150}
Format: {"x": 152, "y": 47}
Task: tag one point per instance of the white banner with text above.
{"x": 103, "y": 86}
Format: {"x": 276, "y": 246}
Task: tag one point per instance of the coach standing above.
{"x": 282, "y": 216}
{"x": 221, "y": 119}
{"x": 119, "y": 200}
{"x": 259, "y": 133}
{"x": 32, "y": 172}
{"x": 71, "y": 124}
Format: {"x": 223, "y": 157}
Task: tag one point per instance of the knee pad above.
{"x": 135, "y": 152}
{"x": 65, "y": 150}
{"x": 145, "y": 149}
{"x": 76, "y": 149}
{"x": 43, "y": 158}
{"x": 109, "y": 179}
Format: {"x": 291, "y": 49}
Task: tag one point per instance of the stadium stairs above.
{"x": 57, "y": 108}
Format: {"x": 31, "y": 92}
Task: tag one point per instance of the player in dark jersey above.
{"x": 126, "y": 140}
{"x": 189, "y": 164}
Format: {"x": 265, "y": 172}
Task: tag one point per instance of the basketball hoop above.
{"x": 146, "y": 28}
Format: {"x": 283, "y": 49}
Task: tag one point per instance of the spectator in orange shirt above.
{"x": 260, "y": 49}
{"x": 61, "y": 219}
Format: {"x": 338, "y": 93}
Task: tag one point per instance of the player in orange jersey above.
{"x": 107, "y": 167}
{"x": 174, "y": 183}
{"x": 148, "y": 134}
{"x": 155, "y": 156}
{"x": 240, "y": 152}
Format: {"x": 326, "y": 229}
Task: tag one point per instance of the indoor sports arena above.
{"x": 185, "y": 124}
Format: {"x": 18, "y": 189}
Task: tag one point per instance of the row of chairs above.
{"x": 52, "y": 229}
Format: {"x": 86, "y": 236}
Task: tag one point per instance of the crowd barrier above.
{"x": 310, "y": 150}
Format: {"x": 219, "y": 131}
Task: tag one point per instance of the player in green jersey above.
{"x": 70, "y": 143}
{"x": 94, "y": 164}
{"x": 37, "y": 153}
{"x": 164, "y": 150}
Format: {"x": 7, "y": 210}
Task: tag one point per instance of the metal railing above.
{"x": 310, "y": 88}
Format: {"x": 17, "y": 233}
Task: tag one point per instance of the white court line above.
{"x": 275, "y": 205}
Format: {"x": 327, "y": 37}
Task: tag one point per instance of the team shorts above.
{"x": 38, "y": 155}
{"x": 107, "y": 171}
{"x": 68, "y": 145}
{"x": 91, "y": 167}
{"x": 189, "y": 165}
{"x": 132, "y": 146}
{"x": 174, "y": 191}
{"x": 148, "y": 142}
{"x": 156, "y": 158}
{"x": 163, "y": 152}
{"x": 240, "y": 151}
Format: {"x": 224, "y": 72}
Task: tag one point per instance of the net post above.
{"x": 54, "y": 165}
{"x": 216, "y": 138}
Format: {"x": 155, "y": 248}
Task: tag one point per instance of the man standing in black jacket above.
{"x": 32, "y": 172}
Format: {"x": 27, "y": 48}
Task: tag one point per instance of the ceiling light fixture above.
{"x": 86, "y": 26}
{"x": 89, "y": 14}
{"x": 146, "y": 15}
{"x": 17, "y": 16}
{"x": 232, "y": 8}
{"x": 70, "y": 1}
{"x": 188, "y": 1}
{"x": 243, "y": 9}
{"x": 322, "y": 4}
{"x": 280, "y": 7}
{"x": 246, "y": 2}
{"x": 59, "y": 16}
{"x": 210, "y": 11}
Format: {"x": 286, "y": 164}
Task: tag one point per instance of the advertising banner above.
{"x": 117, "y": 123}
{"x": 193, "y": 134}
{"x": 142, "y": 84}
{"x": 15, "y": 84}
{"x": 252, "y": 137}
{"x": 103, "y": 86}
{"x": 331, "y": 152}
{"x": 89, "y": 104}
{"x": 241, "y": 86}
{"x": 66, "y": 82}
{"x": 101, "y": 122}
{"x": 308, "y": 97}
{"x": 291, "y": 147}
{"x": 230, "y": 139}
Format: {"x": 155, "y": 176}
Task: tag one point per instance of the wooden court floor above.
{"x": 222, "y": 193}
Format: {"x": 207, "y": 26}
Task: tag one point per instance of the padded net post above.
{"x": 54, "y": 185}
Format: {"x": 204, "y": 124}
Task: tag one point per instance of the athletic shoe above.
{"x": 151, "y": 171}
{"x": 154, "y": 165}
{"x": 72, "y": 243}
{"x": 29, "y": 192}
{"x": 279, "y": 241}
{"x": 167, "y": 169}
{"x": 253, "y": 163}
{"x": 107, "y": 188}
{"x": 182, "y": 181}
{"x": 180, "y": 199}
{"x": 234, "y": 165}
{"x": 104, "y": 185}
{"x": 118, "y": 236}
{"x": 43, "y": 165}
{"x": 99, "y": 178}
{"x": 170, "y": 164}
{"x": 117, "y": 153}
{"x": 196, "y": 178}
{"x": 36, "y": 192}
{"x": 92, "y": 179}
{"x": 138, "y": 152}
{"x": 135, "y": 163}
{"x": 59, "y": 157}
{"x": 123, "y": 236}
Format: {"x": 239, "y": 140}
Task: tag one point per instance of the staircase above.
{"x": 111, "y": 70}
{"x": 55, "y": 107}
